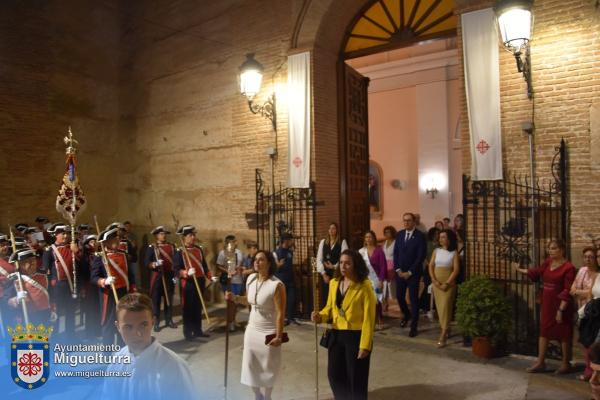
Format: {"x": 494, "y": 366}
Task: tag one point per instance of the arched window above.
{"x": 388, "y": 24}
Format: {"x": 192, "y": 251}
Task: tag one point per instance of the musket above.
{"x": 162, "y": 272}
{"x": 162, "y": 275}
{"x": 315, "y": 276}
{"x": 228, "y": 317}
{"x": 19, "y": 281}
{"x": 74, "y": 294}
{"x": 105, "y": 261}
{"x": 189, "y": 263}
{"x": 2, "y": 326}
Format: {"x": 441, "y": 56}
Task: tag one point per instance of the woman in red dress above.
{"x": 556, "y": 320}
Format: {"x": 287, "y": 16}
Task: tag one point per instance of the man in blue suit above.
{"x": 409, "y": 253}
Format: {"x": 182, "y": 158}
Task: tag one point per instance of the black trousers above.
{"x": 157, "y": 293}
{"x": 348, "y": 376}
{"x": 412, "y": 284}
{"x": 90, "y": 310}
{"x": 425, "y": 296}
{"x": 290, "y": 297}
{"x": 192, "y": 308}
{"x": 65, "y": 306}
{"x": 324, "y": 295}
{"x": 108, "y": 310}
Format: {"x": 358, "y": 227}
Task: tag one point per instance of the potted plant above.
{"x": 483, "y": 314}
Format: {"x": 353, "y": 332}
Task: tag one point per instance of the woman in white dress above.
{"x": 261, "y": 359}
{"x": 389, "y": 284}
{"x": 377, "y": 266}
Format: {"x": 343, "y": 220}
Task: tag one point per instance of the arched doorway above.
{"x": 336, "y": 31}
{"x": 415, "y": 147}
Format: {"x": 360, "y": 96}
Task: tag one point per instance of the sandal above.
{"x": 563, "y": 370}
{"x": 537, "y": 369}
{"x": 582, "y": 378}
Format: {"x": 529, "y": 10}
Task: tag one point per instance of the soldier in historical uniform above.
{"x": 90, "y": 304}
{"x": 190, "y": 262}
{"x": 58, "y": 259}
{"x": 32, "y": 288}
{"x": 117, "y": 273}
{"x": 21, "y": 227}
{"x": 159, "y": 259}
{"x": 42, "y": 223}
{"x": 6, "y": 269}
{"x": 35, "y": 241}
{"x": 125, "y": 245}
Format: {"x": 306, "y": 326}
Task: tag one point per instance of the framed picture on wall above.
{"x": 375, "y": 190}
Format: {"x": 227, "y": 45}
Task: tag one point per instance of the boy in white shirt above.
{"x": 156, "y": 372}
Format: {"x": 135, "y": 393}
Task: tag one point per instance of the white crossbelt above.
{"x": 36, "y": 285}
{"x": 165, "y": 255}
{"x": 61, "y": 260}
{"x": 120, "y": 272}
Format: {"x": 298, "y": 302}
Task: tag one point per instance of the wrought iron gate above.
{"x": 295, "y": 213}
{"x": 511, "y": 221}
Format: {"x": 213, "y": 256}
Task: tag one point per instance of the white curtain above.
{"x": 299, "y": 110}
{"x": 482, "y": 83}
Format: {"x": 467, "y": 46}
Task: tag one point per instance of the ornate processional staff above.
{"x": 71, "y": 200}
{"x": 162, "y": 272}
{"x": 315, "y": 276}
{"x": 187, "y": 264}
{"x": 230, "y": 310}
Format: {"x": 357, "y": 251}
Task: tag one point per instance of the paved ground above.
{"x": 401, "y": 368}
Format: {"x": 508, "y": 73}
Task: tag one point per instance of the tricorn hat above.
{"x": 59, "y": 228}
{"x": 21, "y": 255}
{"x": 107, "y": 234}
{"x": 88, "y": 238}
{"x": 186, "y": 230}
{"x": 116, "y": 225}
{"x": 159, "y": 229}
{"x": 19, "y": 242}
{"x": 21, "y": 227}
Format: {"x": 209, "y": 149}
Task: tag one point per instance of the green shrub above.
{"x": 482, "y": 310}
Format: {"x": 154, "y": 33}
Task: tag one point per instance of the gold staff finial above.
{"x": 70, "y": 142}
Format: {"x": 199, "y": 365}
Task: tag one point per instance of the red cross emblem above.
{"x": 483, "y": 147}
{"x": 30, "y": 364}
{"x": 297, "y": 162}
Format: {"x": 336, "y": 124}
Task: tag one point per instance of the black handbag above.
{"x": 327, "y": 338}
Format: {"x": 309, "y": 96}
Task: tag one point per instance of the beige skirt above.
{"x": 444, "y": 301}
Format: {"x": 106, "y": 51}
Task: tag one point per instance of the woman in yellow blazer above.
{"x": 351, "y": 310}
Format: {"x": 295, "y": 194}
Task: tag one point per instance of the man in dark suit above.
{"x": 409, "y": 252}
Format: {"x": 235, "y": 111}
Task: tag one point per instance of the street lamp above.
{"x": 251, "y": 73}
{"x": 515, "y": 21}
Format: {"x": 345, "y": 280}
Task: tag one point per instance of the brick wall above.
{"x": 565, "y": 54}
{"x": 57, "y": 69}
{"x": 152, "y": 94}
{"x": 195, "y": 143}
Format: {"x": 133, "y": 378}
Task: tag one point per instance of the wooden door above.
{"x": 354, "y": 156}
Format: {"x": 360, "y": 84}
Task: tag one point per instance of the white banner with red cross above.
{"x": 482, "y": 86}
{"x": 299, "y": 122}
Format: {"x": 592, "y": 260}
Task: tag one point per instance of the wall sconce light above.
{"x": 251, "y": 73}
{"x": 515, "y": 21}
{"x": 398, "y": 184}
{"x": 432, "y": 192}
{"x": 432, "y": 183}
